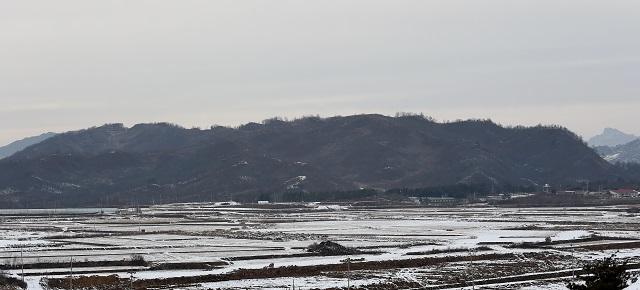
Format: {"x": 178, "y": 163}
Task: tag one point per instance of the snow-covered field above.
{"x": 232, "y": 237}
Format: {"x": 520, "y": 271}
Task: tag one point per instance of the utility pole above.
{"x": 71, "y": 276}
{"x": 573, "y": 271}
{"x": 22, "y": 262}
{"x": 473, "y": 283}
{"x": 131, "y": 277}
{"x": 349, "y": 273}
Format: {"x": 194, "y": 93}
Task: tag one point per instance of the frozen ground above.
{"x": 240, "y": 237}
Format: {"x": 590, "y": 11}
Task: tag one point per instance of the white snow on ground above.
{"x": 551, "y": 286}
{"x": 570, "y": 235}
{"x": 634, "y": 286}
{"x": 280, "y": 283}
{"x": 17, "y": 239}
{"x": 561, "y": 286}
{"x": 612, "y": 157}
{"x": 33, "y": 283}
{"x": 193, "y": 238}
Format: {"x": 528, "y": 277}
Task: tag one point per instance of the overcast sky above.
{"x": 73, "y": 64}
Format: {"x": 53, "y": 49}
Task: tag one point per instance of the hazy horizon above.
{"x": 73, "y": 64}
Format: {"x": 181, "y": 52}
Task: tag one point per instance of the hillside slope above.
{"x": 12, "y": 148}
{"x": 626, "y": 153}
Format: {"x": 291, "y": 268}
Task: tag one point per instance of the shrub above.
{"x": 137, "y": 260}
{"x": 603, "y": 274}
{"x": 7, "y": 282}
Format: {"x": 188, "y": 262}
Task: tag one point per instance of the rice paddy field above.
{"x": 233, "y": 246}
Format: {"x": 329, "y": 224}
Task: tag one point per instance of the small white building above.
{"x": 624, "y": 193}
{"x": 415, "y": 199}
{"x": 263, "y": 202}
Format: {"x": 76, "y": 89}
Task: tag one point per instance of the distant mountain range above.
{"x": 8, "y": 150}
{"x": 629, "y": 152}
{"x": 146, "y": 163}
{"x": 616, "y": 146}
{"x": 611, "y": 137}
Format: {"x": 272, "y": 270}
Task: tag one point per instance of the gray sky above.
{"x": 72, "y": 64}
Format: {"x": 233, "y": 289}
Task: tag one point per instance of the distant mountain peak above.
{"x": 611, "y": 137}
{"x": 12, "y": 148}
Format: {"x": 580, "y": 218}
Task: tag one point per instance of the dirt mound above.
{"x": 329, "y": 248}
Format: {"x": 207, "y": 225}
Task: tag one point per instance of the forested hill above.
{"x": 113, "y": 164}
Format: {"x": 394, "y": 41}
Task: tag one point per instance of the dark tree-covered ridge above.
{"x": 147, "y": 163}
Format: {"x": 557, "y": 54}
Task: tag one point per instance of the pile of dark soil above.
{"x": 329, "y": 248}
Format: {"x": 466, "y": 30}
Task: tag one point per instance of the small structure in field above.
{"x": 624, "y": 193}
{"x": 442, "y": 201}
